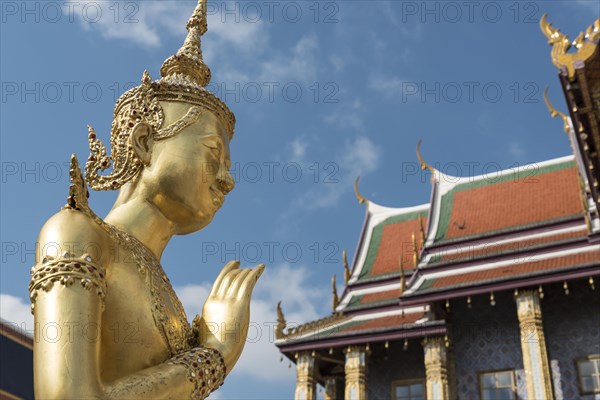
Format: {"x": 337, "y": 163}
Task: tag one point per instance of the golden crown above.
{"x": 184, "y": 77}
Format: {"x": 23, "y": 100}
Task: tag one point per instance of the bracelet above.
{"x": 205, "y": 368}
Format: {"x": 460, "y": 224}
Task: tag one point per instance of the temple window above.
{"x": 588, "y": 371}
{"x": 408, "y": 390}
{"x": 498, "y": 385}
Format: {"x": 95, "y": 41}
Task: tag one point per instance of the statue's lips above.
{"x": 219, "y": 196}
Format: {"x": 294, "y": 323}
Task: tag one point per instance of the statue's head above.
{"x": 170, "y": 139}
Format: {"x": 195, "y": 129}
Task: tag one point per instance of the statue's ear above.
{"x": 142, "y": 140}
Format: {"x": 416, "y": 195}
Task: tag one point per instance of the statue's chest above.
{"x": 167, "y": 311}
{"x": 139, "y": 290}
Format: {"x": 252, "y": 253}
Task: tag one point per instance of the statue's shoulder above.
{"x": 75, "y": 229}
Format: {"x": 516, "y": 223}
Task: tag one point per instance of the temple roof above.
{"x": 387, "y": 235}
{"x": 517, "y": 227}
{"x": 509, "y": 200}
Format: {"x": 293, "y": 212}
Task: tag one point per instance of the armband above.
{"x": 66, "y": 271}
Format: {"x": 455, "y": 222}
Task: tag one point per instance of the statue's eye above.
{"x": 214, "y": 146}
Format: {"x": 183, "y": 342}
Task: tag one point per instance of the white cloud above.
{"x": 298, "y": 147}
{"x": 260, "y": 359}
{"x": 388, "y": 86}
{"x": 148, "y": 23}
{"x": 235, "y": 46}
{"x": 17, "y": 312}
{"x": 348, "y": 116}
{"x": 358, "y": 157}
{"x": 193, "y": 297}
{"x": 298, "y": 66}
{"x": 143, "y": 23}
{"x": 516, "y": 150}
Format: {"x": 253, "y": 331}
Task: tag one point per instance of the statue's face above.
{"x": 188, "y": 175}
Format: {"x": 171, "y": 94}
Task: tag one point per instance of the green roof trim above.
{"x": 373, "y": 248}
{"x": 354, "y": 300}
{"x": 331, "y": 331}
{"x": 448, "y": 198}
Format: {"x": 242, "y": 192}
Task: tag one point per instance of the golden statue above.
{"x": 122, "y": 331}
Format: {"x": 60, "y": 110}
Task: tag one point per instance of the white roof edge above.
{"x": 452, "y": 181}
{"x": 376, "y": 209}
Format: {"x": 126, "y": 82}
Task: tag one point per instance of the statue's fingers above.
{"x": 237, "y": 283}
{"x": 250, "y": 280}
{"x": 226, "y": 282}
{"x": 231, "y": 265}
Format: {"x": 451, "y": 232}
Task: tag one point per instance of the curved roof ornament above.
{"x": 335, "y": 300}
{"x": 402, "y": 278}
{"x": 424, "y": 165}
{"x": 281, "y": 323}
{"x": 554, "y": 112}
{"x": 360, "y": 198}
{"x": 584, "y": 43}
{"x": 346, "y": 267}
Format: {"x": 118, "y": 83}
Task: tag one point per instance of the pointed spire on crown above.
{"x": 187, "y": 66}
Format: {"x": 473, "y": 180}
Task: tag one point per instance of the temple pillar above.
{"x": 334, "y": 389}
{"x": 436, "y": 368}
{"x": 356, "y": 373}
{"x": 533, "y": 345}
{"x": 305, "y": 377}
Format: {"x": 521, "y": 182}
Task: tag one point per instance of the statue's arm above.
{"x": 67, "y": 291}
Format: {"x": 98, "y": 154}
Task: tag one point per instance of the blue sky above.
{"x": 322, "y": 92}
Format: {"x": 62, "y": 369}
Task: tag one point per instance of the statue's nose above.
{"x": 225, "y": 179}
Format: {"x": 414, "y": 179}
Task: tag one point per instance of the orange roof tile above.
{"x": 380, "y": 296}
{"x": 396, "y": 241}
{"x": 548, "y": 194}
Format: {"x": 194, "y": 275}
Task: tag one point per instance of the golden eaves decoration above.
{"x": 554, "y": 112}
{"x": 585, "y": 45}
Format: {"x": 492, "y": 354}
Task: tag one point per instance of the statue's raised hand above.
{"x": 226, "y": 313}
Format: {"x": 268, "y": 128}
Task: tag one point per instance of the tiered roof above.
{"x": 514, "y": 228}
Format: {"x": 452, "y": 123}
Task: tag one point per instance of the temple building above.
{"x": 16, "y": 363}
{"x": 489, "y": 291}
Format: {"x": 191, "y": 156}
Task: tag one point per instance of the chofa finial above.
{"x": 360, "y": 198}
{"x": 554, "y": 112}
{"x": 424, "y": 165}
{"x": 346, "y": 267}
{"x": 335, "y": 299}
